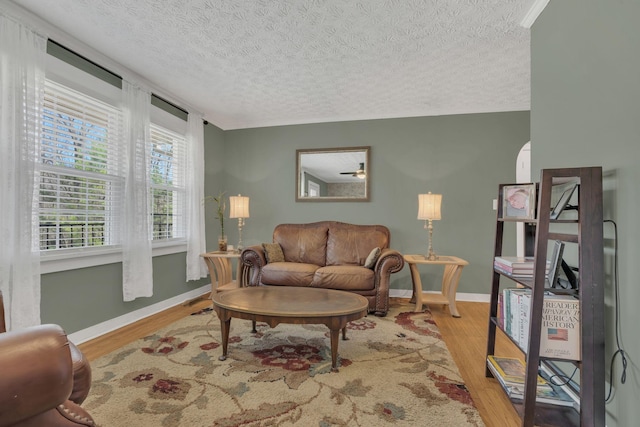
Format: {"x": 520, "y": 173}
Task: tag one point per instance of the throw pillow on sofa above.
{"x": 273, "y": 252}
{"x": 372, "y": 258}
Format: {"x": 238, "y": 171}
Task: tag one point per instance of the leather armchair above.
{"x": 43, "y": 378}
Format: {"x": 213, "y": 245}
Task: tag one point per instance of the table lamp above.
{"x": 429, "y": 211}
{"x": 239, "y": 208}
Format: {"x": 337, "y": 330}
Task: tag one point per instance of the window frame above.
{"x": 75, "y": 258}
{"x": 74, "y": 156}
{"x": 179, "y": 187}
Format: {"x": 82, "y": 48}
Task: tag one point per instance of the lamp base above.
{"x": 431, "y": 256}
{"x": 240, "y": 247}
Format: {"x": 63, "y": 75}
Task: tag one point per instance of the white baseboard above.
{"x": 406, "y": 293}
{"x": 118, "y": 322}
{"x": 132, "y": 317}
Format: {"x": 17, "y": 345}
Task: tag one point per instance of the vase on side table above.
{"x": 222, "y": 243}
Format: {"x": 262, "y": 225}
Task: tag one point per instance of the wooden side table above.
{"x": 221, "y": 270}
{"x": 452, "y": 271}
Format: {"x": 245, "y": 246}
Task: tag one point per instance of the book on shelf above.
{"x": 510, "y": 372}
{"x": 556, "y": 396}
{"x": 560, "y": 332}
{"x": 512, "y": 272}
{"x": 524, "y": 269}
{"x": 523, "y": 331}
{"x": 514, "y": 312}
{"x": 560, "y": 336}
{"x": 515, "y": 261}
{"x": 560, "y": 382}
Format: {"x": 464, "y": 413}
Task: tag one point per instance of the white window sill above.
{"x": 83, "y": 258}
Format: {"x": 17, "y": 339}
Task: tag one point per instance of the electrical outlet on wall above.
{"x": 495, "y": 204}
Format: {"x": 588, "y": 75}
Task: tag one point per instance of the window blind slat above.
{"x": 167, "y": 183}
{"x": 82, "y": 173}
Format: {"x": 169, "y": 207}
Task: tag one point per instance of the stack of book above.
{"x": 515, "y": 266}
{"x": 560, "y": 333}
{"x": 510, "y": 372}
{"x": 515, "y": 305}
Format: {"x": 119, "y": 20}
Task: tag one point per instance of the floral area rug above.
{"x": 394, "y": 370}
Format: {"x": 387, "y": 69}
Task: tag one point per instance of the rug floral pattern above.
{"x": 394, "y": 370}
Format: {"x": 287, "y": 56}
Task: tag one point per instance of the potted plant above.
{"x": 221, "y": 207}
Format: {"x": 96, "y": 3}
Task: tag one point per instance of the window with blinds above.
{"x": 82, "y": 176}
{"x": 167, "y": 176}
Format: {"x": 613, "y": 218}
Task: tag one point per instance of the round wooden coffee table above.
{"x": 288, "y": 304}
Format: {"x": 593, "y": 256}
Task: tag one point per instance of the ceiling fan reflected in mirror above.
{"x": 360, "y": 173}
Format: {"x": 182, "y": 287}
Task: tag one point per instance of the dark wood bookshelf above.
{"x": 587, "y": 234}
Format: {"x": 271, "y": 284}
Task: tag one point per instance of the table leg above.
{"x": 239, "y": 271}
{"x": 450, "y": 281}
{"x": 220, "y": 271}
{"x": 344, "y": 334}
{"x": 253, "y": 327}
{"x": 225, "y": 326}
{"x": 335, "y": 333}
{"x": 417, "y": 286}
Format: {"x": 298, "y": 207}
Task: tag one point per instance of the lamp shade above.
{"x": 238, "y": 206}
{"x": 429, "y": 206}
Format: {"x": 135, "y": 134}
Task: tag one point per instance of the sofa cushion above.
{"x": 344, "y": 278}
{"x": 305, "y": 243}
{"x": 273, "y": 252}
{"x": 350, "y": 244}
{"x": 372, "y": 258}
{"x": 288, "y": 274}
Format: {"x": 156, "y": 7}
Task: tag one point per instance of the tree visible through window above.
{"x": 81, "y": 170}
{"x": 167, "y": 183}
{"x": 82, "y": 173}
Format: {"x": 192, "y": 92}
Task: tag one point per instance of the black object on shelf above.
{"x": 563, "y": 202}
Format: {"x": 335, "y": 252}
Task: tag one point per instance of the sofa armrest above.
{"x": 40, "y": 368}
{"x": 389, "y": 261}
{"x": 254, "y": 259}
{"x": 81, "y": 375}
{"x": 36, "y": 373}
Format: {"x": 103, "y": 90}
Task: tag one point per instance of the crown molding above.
{"x": 536, "y": 9}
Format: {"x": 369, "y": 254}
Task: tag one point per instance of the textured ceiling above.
{"x": 253, "y": 63}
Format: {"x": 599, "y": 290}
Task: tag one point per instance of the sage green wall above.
{"x": 585, "y": 88}
{"x": 78, "y": 299}
{"x": 214, "y": 177}
{"x": 464, "y": 157}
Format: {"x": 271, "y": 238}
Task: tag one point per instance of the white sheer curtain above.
{"x": 137, "y": 267}
{"x": 196, "y": 242}
{"x": 22, "y": 59}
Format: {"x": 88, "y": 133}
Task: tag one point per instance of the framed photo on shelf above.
{"x": 519, "y": 201}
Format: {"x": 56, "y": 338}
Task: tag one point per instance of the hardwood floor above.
{"x": 113, "y": 340}
{"x": 466, "y": 338}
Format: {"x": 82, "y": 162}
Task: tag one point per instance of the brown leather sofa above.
{"x": 43, "y": 378}
{"x": 331, "y": 255}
